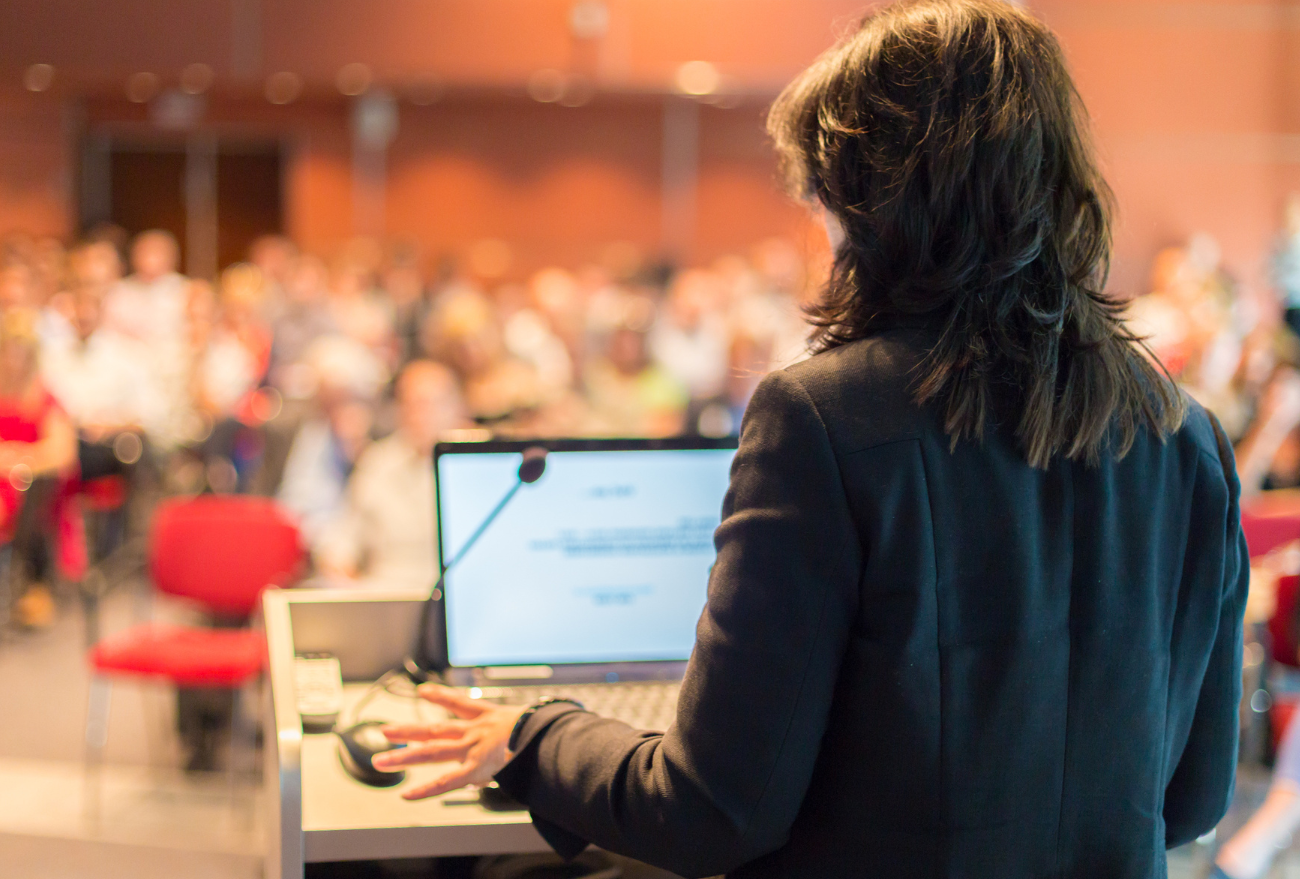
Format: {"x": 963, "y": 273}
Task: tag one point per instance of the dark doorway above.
{"x": 148, "y": 191}
{"x": 249, "y": 199}
{"x": 215, "y": 196}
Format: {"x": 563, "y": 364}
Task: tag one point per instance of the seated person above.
{"x": 150, "y": 303}
{"x": 102, "y": 380}
{"x": 301, "y": 320}
{"x": 321, "y": 458}
{"x": 357, "y": 308}
{"x": 1248, "y": 854}
{"x": 228, "y": 370}
{"x": 386, "y": 535}
{"x": 463, "y": 332}
{"x": 1268, "y": 456}
{"x": 630, "y": 394}
{"x": 38, "y": 454}
{"x": 238, "y": 347}
{"x": 22, "y": 286}
{"x": 689, "y": 338}
{"x": 409, "y": 300}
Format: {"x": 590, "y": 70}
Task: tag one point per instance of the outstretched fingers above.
{"x": 423, "y": 732}
{"x": 457, "y": 778}
{"x": 454, "y": 701}
{"x": 414, "y": 755}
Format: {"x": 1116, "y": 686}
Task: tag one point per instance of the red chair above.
{"x": 1270, "y": 521}
{"x": 1266, "y": 533}
{"x": 220, "y": 551}
{"x": 1282, "y": 625}
{"x": 1285, "y": 651}
{"x": 103, "y": 514}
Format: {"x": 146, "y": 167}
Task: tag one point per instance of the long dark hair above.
{"x": 948, "y": 140}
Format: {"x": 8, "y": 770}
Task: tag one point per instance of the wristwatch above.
{"x": 533, "y": 709}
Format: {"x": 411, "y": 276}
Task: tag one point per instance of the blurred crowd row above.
{"x": 1235, "y": 347}
{"x": 325, "y": 383}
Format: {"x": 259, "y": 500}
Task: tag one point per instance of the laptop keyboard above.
{"x": 649, "y": 705}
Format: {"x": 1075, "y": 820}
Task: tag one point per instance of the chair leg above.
{"x": 6, "y": 587}
{"x": 243, "y": 752}
{"x": 232, "y": 769}
{"x": 235, "y": 753}
{"x": 101, "y": 691}
{"x": 92, "y": 589}
{"x": 156, "y": 736}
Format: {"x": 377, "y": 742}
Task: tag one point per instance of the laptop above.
{"x": 591, "y": 581}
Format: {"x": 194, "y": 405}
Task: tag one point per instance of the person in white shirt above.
{"x": 102, "y": 379}
{"x": 690, "y": 339}
{"x": 149, "y": 305}
{"x": 387, "y": 535}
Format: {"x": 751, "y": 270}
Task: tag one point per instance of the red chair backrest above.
{"x": 104, "y": 494}
{"x": 1280, "y": 715}
{"x": 1267, "y": 530}
{"x": 223, "y": 550}
{"x": 1282, "y": 627}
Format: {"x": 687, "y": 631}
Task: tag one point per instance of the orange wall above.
{"x": 1189, "y": 102}
{"x": 756, "y": 43}
{"x": 1196, "y": 107}
{"x": 556, "y": 183}
{"x": 561, "y": 184}
{"x": 35, "y": 167}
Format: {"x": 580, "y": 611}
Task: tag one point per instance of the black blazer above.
{"x": 924, "y": 662}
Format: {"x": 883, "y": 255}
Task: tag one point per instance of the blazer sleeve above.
{"x": 723, "y": 785}
{"x": 1201, "y": 788}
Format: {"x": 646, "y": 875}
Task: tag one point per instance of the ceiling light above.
{"x": 140, "y": 87}
{"x": 196, "y": 78}
{"x": 589, "y": 19}
{"x": 697, "y": 78}
{"x": 546, "y": 85}
{"x": 283, "y": 87}
{"x": 353, "y": 79}
{"x": 578, "y": 92}
{"x": 38, "y": 77}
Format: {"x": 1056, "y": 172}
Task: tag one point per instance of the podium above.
{"x": 317, "y": 811}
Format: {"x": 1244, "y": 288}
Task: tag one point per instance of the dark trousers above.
{"x": 203, "y": 714}
{"x": 32, "y": 529}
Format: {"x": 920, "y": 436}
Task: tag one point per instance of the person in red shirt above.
{"x": 38, "y": 457}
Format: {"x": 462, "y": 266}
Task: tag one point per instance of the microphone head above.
{"x": 533, "y": 465}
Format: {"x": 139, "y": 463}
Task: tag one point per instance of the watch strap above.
{"x": 517, "y": 731}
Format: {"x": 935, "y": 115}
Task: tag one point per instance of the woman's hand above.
{"x": 476, "y": 739}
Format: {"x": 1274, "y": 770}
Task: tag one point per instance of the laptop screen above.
{"x": 604, "y": 559}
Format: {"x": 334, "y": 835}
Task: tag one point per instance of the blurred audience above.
{"x": 690, "y": 338}
{"x": 409, "y": 301}
{"x": 1286, "y": 263}
{"x": 325, "y": 380}
{"x": 631, "y": 394}
{"x": 1229, "y": 346}
{"x": 463, "y": 332}
{"x": 321, "y": 459}
{"x": 279, "y": 377}
{"x": 38, "y": 457}
{"x": 101, "y": 379}
{"x": 382, "y": 535}
{"x": 149, "y": 305}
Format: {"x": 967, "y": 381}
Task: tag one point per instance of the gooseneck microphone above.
{"x": 422, "y": 664}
